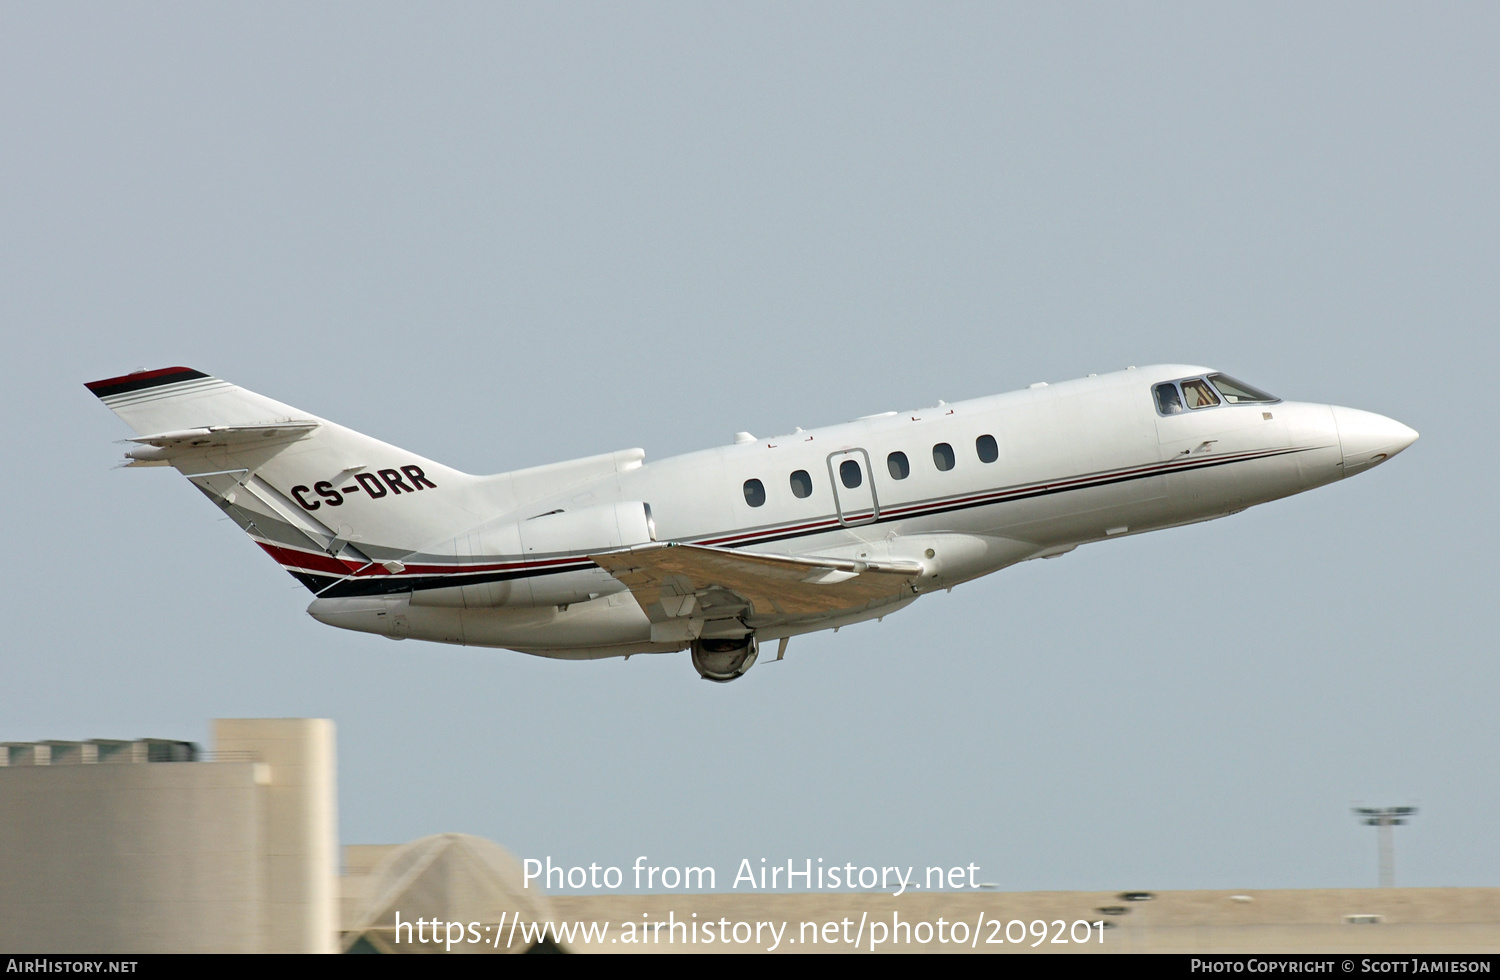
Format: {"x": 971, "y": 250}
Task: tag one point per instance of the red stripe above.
{"x": 138, "y": 376}
{"x": 995, "y": 496}
{"x": 311, "y": 561}
{"x": 776, "y": 530}
{"x": 319, "y": 562}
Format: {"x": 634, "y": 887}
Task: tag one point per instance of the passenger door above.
{"x": 853, "y": 488}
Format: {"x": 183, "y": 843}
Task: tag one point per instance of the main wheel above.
{"x": 723, "y": 660}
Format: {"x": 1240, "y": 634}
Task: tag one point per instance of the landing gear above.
{"x": 722, "y": 660}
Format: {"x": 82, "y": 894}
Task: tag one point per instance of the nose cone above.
{"x": 1367, "y": 439}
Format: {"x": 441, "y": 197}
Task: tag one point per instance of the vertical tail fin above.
{"x": 323, "y": 500}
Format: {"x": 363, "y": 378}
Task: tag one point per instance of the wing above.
{"x": 682, "y": 586}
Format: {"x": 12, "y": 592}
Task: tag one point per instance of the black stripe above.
{"x": 1104, "y": 482}
{"x": 333, "y": 587}
{"x": 150, "y": 379}
{"x": 1002, "y": 497}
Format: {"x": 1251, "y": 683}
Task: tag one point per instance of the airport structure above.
{"x": 152, "y": 845}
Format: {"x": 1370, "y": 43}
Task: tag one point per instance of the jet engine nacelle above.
{"x": 722, "y": 660}
{"x": 556, "y": 536}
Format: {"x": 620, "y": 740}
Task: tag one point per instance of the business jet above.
{"x": 721, "y": 550}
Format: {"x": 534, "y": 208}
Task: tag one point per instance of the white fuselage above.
{"x": 1070, "y": 463}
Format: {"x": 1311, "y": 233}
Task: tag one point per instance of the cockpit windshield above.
{"x": 1177, "y": 397}
{"x": 1239, "y": 393}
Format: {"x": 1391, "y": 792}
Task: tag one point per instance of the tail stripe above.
{"x": 196, "y": 386}
{"x": 291, "y": 558}
{"x": 141, "y": 380}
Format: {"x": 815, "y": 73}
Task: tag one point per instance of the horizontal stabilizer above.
{"x": 223, "y": 435}
{"x": 672, "y": 580}
{"x": 157, "y": 449}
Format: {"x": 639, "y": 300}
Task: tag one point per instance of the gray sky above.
{"x": 502, "y": 235}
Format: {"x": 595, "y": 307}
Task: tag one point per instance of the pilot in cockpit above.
{"x": 1167, "y": 399}
{"x": 1199, "y": 394}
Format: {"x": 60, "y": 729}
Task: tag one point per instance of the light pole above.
{"x": 1383, "y": 819}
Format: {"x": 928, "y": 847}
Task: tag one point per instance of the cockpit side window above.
{"x": 1239, "y": 393}
{"x": 1198, "y": 394}
{"x": 1168, "y": 401}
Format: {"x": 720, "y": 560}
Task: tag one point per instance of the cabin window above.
{"x": 899, "y": 467}
{"x": 1239, "y": 393}
{"x": 801, "y": 484}
{"x": 850, "y": 474}
{"x": 942, "y": 456}
{"x": 1198, "y": 394}
{"x": 987, "y": 449}
{"x": 755, "y": 493}
{"x": 1168, "y": 401}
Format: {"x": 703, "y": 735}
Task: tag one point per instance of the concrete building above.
{"x": 151, "y": 846}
